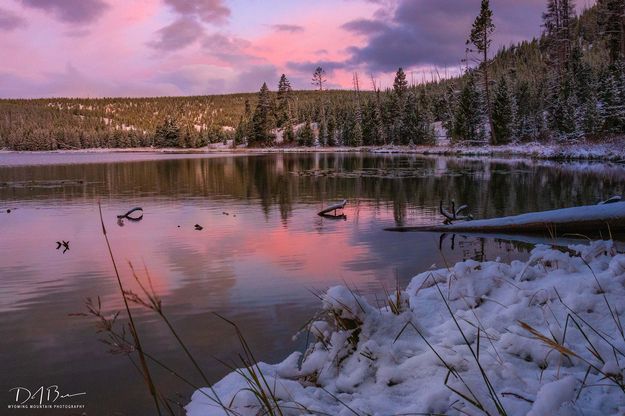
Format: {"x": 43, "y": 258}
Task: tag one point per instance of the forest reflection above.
{"x": 414, "y": 185}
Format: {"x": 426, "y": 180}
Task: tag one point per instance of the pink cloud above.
{"x": 182, "y": 47}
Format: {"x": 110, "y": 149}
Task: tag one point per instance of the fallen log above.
{"x": 334, "y": 207}
{"x": 588, "y": 218}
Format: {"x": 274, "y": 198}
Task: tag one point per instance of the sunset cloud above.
{"x": 10, "y": 20}
{"x": 210, "y": 11}
{"x": 189, "y": 47}
{"x": 70, "y": 11}
{"x": 288, "y": 28}
{"x": 178, "y": 34}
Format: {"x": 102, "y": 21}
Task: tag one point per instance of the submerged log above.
{"x": 588, "y": 218}
{"x": 334, "y": 207}
{"x": 334, "y": 217}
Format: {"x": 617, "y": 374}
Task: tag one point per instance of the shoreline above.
{"x": 611, "y": 151}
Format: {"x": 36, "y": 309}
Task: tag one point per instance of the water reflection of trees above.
{"x": 277, "y": 181}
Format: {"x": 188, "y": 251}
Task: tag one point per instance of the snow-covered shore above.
{"x": 612, "y": 150}
{"x": 545, "y": 332}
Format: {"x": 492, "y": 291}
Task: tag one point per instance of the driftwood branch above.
{"x": 334, "y": 207}
{"x": 131, "y": 217}
{"x": 455, "y": 214}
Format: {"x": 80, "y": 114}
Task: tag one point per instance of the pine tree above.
{"x": 587, "y": 116}
{"x": 288, "y": 134}
{"x": 184, "y": 139}
{"x": 167, "y": 134}
{"x": 331, "y": 129}
{"x": 412, "y": 123}
{"x": 247, "y": 119}
{"x": 428, "y": 135}
{"x": 563, "y": 118}
{"x": 503, "y": 112}
{"x": 525, "y": 128}
{"x": 283, "y": 111}
{"x": 368, "y": 123}
{"x": 305, "y": 135}
{"x": 400, "y": 84}
{"x": 240, "y": 133}
{"x": 395, "y": 105}
{"x": 323, "y": 130}
{"x": 481, "y": 38}
{"x": 319, "y": 78}
{"x": 468, "y": 116}
{"x": 612, "y": 98}
{"x": 378, "y": 122}
{"x": 262, "y": 120}
{"x": 612, "y": 23}
{"x": 557, "y": 23}
{"x": 357, "y": 129}
{"x": 356, "y": 135}
{"x": 591, "y": 120}
{"x": 448, "y": 104}
{"x": 560, "y": 94}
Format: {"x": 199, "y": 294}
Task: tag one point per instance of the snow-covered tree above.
{"x": 468, "y": 117}
{"x": 448, "y": 105}
{"x": 356, "y": 133}
{"x": 587, "y": 117}
{"x": 504, "y": 112}
{"x": 612, "y": 98}
{"x": 527, "y": 108}
{"x": 481, "y": 38}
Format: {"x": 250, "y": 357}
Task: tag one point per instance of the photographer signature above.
{"x": 43, "y": 394}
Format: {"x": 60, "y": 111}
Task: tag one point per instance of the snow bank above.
{"x": 611, "y": 150}
{"x": 396, "y": 360}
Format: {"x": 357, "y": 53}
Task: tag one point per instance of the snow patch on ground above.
{"x": 371, "y": 361}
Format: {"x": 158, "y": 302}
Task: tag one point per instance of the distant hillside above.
{"x": 68, "y": 123}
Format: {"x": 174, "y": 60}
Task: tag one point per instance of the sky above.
{"x": 133, "y": 48}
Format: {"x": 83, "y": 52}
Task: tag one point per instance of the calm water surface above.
{"x": 260, "y": 254}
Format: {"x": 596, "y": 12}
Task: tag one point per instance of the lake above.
{"x": 260, "y": 257}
